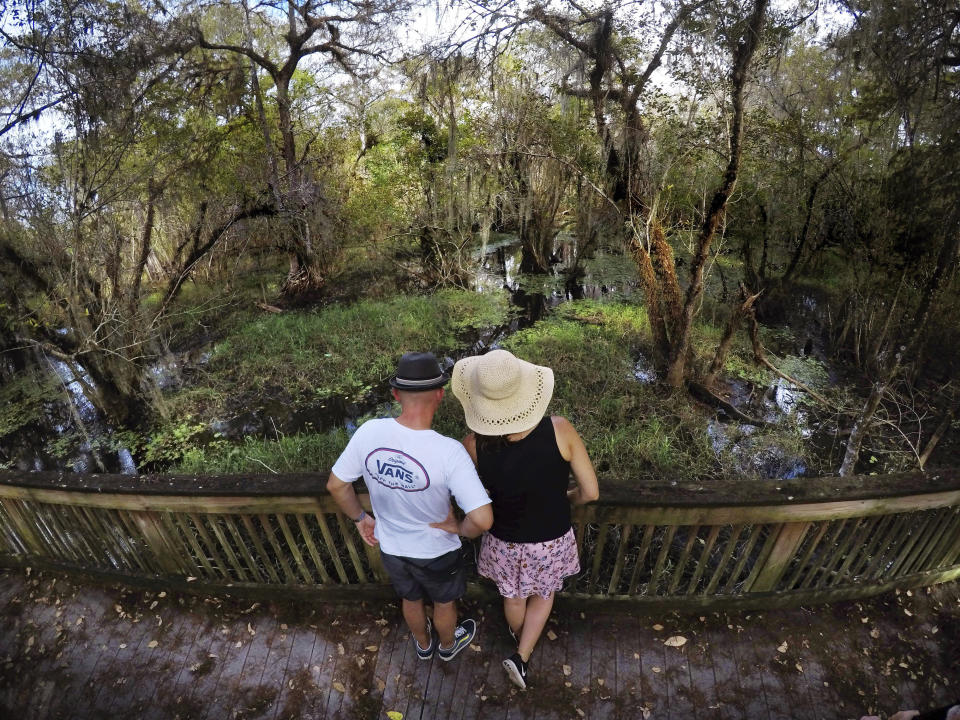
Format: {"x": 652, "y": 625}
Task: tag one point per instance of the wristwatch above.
{"x": 361, "y": 516}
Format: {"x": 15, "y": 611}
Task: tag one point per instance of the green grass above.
{"x": 345, "y": 350}
{"x": 302, "y": 452}
{"x": 631, "y": 430}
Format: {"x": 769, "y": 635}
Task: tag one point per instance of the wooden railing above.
{"x": 680, "y": 545}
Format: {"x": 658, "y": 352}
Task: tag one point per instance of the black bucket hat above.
{"x": 419, "y": 371}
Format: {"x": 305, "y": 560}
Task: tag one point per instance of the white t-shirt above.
{"x": 410, "y": 475}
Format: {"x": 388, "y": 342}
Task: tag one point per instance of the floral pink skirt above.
{"x": 524, "y": 569}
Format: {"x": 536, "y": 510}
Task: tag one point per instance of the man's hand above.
{"x": 366, "y": 527}
{"x": 449, "y": 524}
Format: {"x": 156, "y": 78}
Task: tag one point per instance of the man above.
{"x": 411, "y": 472}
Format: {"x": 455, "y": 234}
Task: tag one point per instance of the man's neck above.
{"x": 415, "y": 420}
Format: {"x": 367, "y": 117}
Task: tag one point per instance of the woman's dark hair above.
{"x": 490, "y": 443}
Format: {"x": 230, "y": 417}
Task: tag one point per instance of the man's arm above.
{"x": 474, "y": 524}
{"x": 346, "y": 498}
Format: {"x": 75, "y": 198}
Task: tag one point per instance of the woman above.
{"x": 524, "y": 460}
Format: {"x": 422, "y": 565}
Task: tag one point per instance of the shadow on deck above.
{"x": 78, "y": 651}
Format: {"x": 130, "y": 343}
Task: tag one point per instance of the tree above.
{"x": 277, "y": 37}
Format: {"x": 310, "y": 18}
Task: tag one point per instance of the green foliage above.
{"x": 345, "y": 350}
{"x": 22, "y": 400}
{"x": 170, "y": 442}
{"x": 631, "y": 430}
{"x": 301, "y": 452}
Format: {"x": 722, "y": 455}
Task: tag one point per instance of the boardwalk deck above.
{"x": 71, "y": 651}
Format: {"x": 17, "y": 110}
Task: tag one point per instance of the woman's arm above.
{"x": 470, "y": 443}
{"x": 575, "y": 452}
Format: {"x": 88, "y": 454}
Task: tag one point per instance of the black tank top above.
{"x": 527, "y": 481}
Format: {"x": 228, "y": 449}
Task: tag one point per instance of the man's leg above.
{"x": 416, "y": 617}
{"x": 445, "y": 620}
{"x": 515, "y": 610}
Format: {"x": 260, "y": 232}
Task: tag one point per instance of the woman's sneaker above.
{"x": 516, "y": 670}
{"x": 462, "y": 637}
{"x": 428, "y": 653}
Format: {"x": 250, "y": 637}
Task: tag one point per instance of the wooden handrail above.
{"x": 676, "y": 544}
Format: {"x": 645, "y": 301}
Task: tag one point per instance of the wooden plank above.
{"x": 731, "y": 545}
{"x": 728, "y": 692}
{"x": 803, "y": 562}
{"x": 598, "y": 553}
{"x": 219, "y": 566}
{"x": 681, "y": 695}
{"x": 655, "y": 692}
{"x": 667, "y": 540}
{"x": 755, "y": 532}
{"x": 784, "y": 548}
{"x": 620, "y": 558}
{"x": 288, "y": 576}
{"x": 296, "y": 684}
{"x": 703, "y": 560}
{"x": 238, "y": 573}
{"x": 294, "y": 550}
{"x": 692, "y": 534}
{"x": 348, "y": 535}
{"x": 641, "y": 560}
{"x": 252, "y": 565}
{"x": 332, "y": 548}
{"x": 312, "y": 549}
{"x": 754, "y": 699}
{"x": 703, "y": 685}
{"x": 222, "y": 702}
{"x": 394, "y": 693}
{"x": 258, "y": 544}
{"x": 813, "y": 578}
{"x": 603, "y": 681}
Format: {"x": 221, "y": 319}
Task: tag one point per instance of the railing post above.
{"x": 784, "y": 549}
{"x": 153, "y": 535}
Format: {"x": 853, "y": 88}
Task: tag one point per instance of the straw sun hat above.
{"x": 500, "y": 393}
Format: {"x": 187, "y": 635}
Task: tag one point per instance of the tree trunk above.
{"x": 742, "y": 55}
{"x": 737, "y": 314}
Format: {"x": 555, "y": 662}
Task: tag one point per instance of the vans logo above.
{"x": 396, "y": 470}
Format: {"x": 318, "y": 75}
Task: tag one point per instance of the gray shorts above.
{"x": 441, "y": 579}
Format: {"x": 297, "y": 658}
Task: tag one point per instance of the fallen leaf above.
{"x": 551, "y": 635}
{"x": 782, "y": 648}
{"x": 476, "y": 648}
{"x": 381, "y": 685}
{"x": 655, "y": 669}
{"x": 152, "y": 644}
{"x": 250, "y": 629}
{"x": 338, "y": 686}
{"x": 394, "y": 715}
{"x": 191, "y": 579}
{"x": 799, "y": 667}
{"x": 567, "y": 670}
{"x": 636, "y": 656}
{"x": 122, "y": 645}
{"x": 600, "y": 682}
{"x": 658, "y": 627}
{"x": 874, "y": 633}
{"x": 907, "y": 613}
{"x": 581, "y": 713}
{"x": 675, "y": 641}
{"x": 372, "y": 648}
{"x": 340, "y": 649}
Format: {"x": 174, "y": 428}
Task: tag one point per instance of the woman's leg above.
{"x": 535, "y": 619}
{"x": 515, "y": 610}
